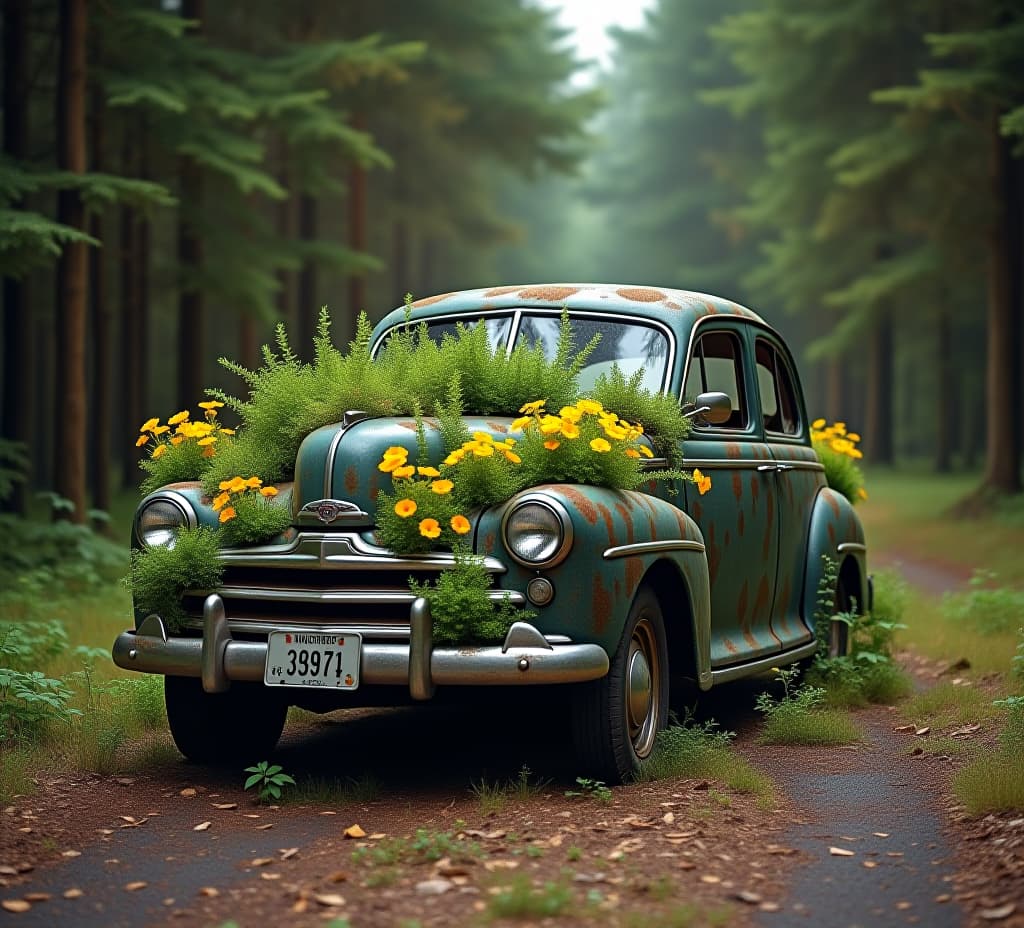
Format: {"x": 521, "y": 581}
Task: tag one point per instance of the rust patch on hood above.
{"x": 498, "y": 427}
{"x": 627, "y": 520}
{"x": 430, "y": 300}
{"x": 551, "y": 293}
{"x": 670, "y": 305}
{"x": 411, "y": 426}
{"x": 489, "y": 541}
{"x": 634, "y": 574}
{"x": 733, "y": 451}
{"x": 502, "y": 291}
{"x": 600, "y": 605}
{"x": 711, "y": 308}
{"x": 641, "y": 294}
{"x": 609, "y": 522}
{"x": 351, "y": 480}
{"x": 583, "y": 505}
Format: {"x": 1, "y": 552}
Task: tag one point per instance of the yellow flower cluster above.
{"x": 836, "y": 438}
{"x": 205, "y": 432}
{"x": 566, "y": 425}
{"x": 703, "y": 482}
{"x": 483, "y": 445}
{"x": 395, "y": 462}
{"x": 235, "y": 487}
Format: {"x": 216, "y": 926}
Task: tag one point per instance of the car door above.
{"x": 798, "y": 477}
{"x": 738, "y": 514}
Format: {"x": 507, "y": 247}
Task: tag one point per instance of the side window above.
{"x": 775, "y": 386}
{"x": 716, "y": 366}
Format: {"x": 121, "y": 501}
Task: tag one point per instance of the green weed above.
{"x": 799, "y": 716}
{"x": 590, "y": 789}
{"x": 946, "y": 705}
{"x": 985, "y": 608}
{"x": 493, "y": 797}
{"x": 335, "y": 791}
{"x": 521, "y": 899}
{"x": 268, "y": 779}
{"x": 991, "y": 783}
{"x": 681, "y": 916}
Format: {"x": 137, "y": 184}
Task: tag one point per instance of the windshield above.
{"x": 633, "y": 346}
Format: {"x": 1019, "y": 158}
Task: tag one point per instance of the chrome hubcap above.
{"x": 643, "y": 699}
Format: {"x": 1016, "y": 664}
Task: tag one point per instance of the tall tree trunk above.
{"x": 835, "y": 390}
{"x": 133, "y": 356}
{"x": 878, "y": 417}
{"x": 283, "y": 215}
{"x": 191, "y": 324}
{"x": 357, "y": 239}
{"x": 102, "y": 424}
{"x": 306, "y": 311}
{"x": 945, "y": 395}
{"x": 1003, "y": 444}
{"x": 18, "y": 404}
{"x": 72, "y": 268}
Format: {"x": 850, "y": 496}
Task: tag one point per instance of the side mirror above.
{"x": 711, "y": 409}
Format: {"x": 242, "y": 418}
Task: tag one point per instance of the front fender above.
{"x": 836, "y": 533}
{"x": 619, "y": 539}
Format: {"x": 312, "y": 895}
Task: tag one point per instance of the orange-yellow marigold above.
{"x": 268, "y": 491}
{"x": 178, "y": 417}
{"x": 220, "y": 501}
{"x": 428, "y": 472}
{"x": 600, "y": 445}
{"x": 227, "y": 514}
{"x": 460, "y": 525}
{"x": 552, "y": 444}
{"x": 406, "y": 470}
{"x": 440, "y": 487}
{"x": 158, "y": 450}
{"x": 149, "y": 425}
{"x": 530, "y": 408}
{"x": 405, "y": 508}
{"x": 430, "y": 528}
{"x": 141, "y": 440}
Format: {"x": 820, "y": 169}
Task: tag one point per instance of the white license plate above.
{"x": 321, "y": 659}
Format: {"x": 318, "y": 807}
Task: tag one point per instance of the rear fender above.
{"x": 835, "y": 533}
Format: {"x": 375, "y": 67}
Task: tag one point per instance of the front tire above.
{"x": 241, "y": 725}
{"x": 616, "y": 719}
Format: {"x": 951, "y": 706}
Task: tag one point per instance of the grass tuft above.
{"x": 816, "y": 727}
{"x": 520, "y": 899}
{"x": 991, "y": 783}
{"x": 946, "y": 705}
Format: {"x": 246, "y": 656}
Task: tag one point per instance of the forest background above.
{"x": 176, "y": 177}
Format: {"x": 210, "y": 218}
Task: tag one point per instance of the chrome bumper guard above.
{"x": 526, "y": 657}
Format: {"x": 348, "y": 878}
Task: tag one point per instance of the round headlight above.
{"x": 159, "y": 521}
{"x": 538, "y": 532}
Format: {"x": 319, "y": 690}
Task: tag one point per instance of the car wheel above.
{"x": 839, "y": 632}
{"x": 616, "y": 719}
{"x": 241, "y": 725}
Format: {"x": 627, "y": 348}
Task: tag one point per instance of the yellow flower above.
{"x": 817, "y": 424}
{"x": 570, "y": 429}
{"x": 268, "y": 491}
{"x": 571, "y": 413}
{"x": 440, "y": 487}
{"x": 703, "y": 483}
{"x": 406, "y": 470}
{"x": 519, "y": 424}
{"x": 531, "y": 408}
{"x": 632, "y": 453}
{"x": 600, "y": 445}
{"x": 590, "y": 407}
{"x": 237, "y": 484}
{"x": 483, "y": 438}
{"x": 208, "y": 452}
{"x": 227, "y": 514}
{"x": 224, "y": 485}
{"x": 221, "y": 500}
{"x": 617, "y": 432}
{"x": 645, "y": 451}
{"x": 483, "y": 450}
{"x": 227, "y": 431}
{"x": 141, "y": 440}
{"x": 550, "y": 425}
{"x": 512, "y": 457}
{"x": 428, "y": 472}
{"x": 457, "y": 455}
{"x": 158, "y": 450}
{"x": 177, "y": 440}
{"x": 862, "y": 493}
{"x": 393, "y": 458}
{"x": 840, "y": 428}
{"x": 209, "y": 440}
{"x": 160, "y": 429}
{"x": 253, "y": 483}
{"x": 429, "y": 528}
{"x": 396, "y": 451}
{"x": 178, "y": 418}
{"x": 460, "y": 525}
{"x": 210, "y": 405}
{"x": 853, "y": 436}
{"x": 551, "y": 444}
{"x": 405, "y": 508}
{"x": 149, "y": 425}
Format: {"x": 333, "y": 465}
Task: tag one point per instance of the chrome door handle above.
{"x": 782, "y": 467}
{"x": 767, "y": 468}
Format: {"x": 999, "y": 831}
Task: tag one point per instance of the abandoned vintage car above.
{"x": 628, "y": 595}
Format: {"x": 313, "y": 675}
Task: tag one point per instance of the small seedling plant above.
{"x": 268, "y": 779}
{"x": 590, "y": 789}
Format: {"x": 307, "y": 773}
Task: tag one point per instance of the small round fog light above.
{"x": 539, "y": 591}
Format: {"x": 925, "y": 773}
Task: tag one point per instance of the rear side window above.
{"x": 717, "y": 366}
{"x": 777, "y": 393}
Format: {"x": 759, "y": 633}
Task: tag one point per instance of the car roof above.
{"x": 668, "y": 304}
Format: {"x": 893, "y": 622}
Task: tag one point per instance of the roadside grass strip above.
{"x": 810, "y": 727}
{"x": 947, "y": 705}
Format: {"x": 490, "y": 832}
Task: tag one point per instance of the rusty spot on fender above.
{"x": 634, "y": 574}
{"x": 641, "y": 294}
{"x": 711, "y": 308}
{"x": 431, "y": 300}
{"x": 411, "y": 426}
{"x": 729, "y": 646}
{"x": 502, "y": 291}
{"x": 733, "y": 450}
{"x": 627, "y": 521}
{"x": 609, "y": 523}
{"x": 498, "y": 427}
{"x": 832, "y": 534}
{"x": 737, "y": 485}
{"x": 489, "y": 541}
{"x": 670, "y": 305}
{"x": 833, "y": 503}
{"x": 351, "y": 480}
{"x": 552, "y": 294}
{"x": 698, "y": 511}
{"x": 584, "y": 506}
{"x": 601, "y": 605}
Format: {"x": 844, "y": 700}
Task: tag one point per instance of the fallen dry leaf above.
{"x": 998, "y": 914}
{"x": 903, "y": 906}
{"x": 841, "y": 852}
{"x": 73, "y": 893}
{"x": 287, "y": 853}
{"x": 265, "y": 827}
{"x": 210, "y": 892}
{"x": 36, "y": 897}
{"x": 225, "y": 805}
{"x": 668, "y": 818}
{"x": 202, "y": 826}
{"x": 870, "y": 864}
{"x": 880, "y": 834}
{"x": 378, "y": 836}
{"x": 339, "y": 876}
{"x": 267, "y": 875}
{"x": 354, "y": 831}
{"x": 261, "y": 861}
{"x": 16, "y": 905}
{"x": 748, "y": 897}
{"x": 921, "y": 732}
{"x": 134, "y": 823}
{"x": 686, "y": 865}
{"x": 301, "y": 904}
{"x": 329, "y": 899}
{"x": 136, "y": 885}
{"x": 905, "y": 728}
{"x": 69, "y": 854}
{"x": 188, "y": 792}
{"x": 710, "y": 878}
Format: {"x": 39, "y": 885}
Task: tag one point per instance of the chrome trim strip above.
{"x": 652, "y": 547}
{"x": 854, "y": 547}
{"x": 765, "y": 663}
{"x": 369, "y": 597}
{"x": 750, "y": 464}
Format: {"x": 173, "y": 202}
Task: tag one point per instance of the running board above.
{"x": 764, "y": 664}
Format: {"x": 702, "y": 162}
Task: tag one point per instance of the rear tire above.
{"x": 242, "y": 725}
{"x": 839, "y": 632}
{"x": 616, "y": 719}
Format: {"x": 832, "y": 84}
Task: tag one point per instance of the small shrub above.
{"x": 269, "y": 779}
{"x": 991, "y": 783}
{"x": 160, "y": 576}
{"x": 985, "y": 608}
{"x": 799, "y": 717}
{"x": 249, "y": 512}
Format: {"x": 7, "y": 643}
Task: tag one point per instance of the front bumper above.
{"x": 526, "y": 657}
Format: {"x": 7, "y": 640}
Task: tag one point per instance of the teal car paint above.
{"x": 647, "y": 592}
